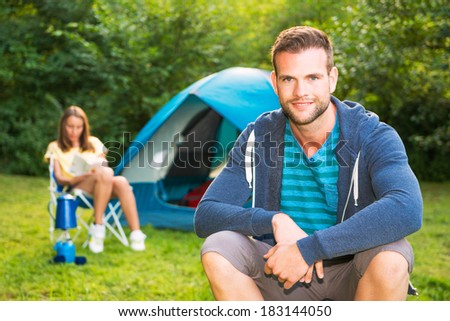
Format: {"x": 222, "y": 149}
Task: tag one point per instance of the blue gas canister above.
{"x": 65, "y": 249}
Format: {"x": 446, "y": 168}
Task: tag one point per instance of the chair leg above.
{"x": 51, "y": 215}
{"x": 116, "y": 227}
{"x": 83, "y": 224}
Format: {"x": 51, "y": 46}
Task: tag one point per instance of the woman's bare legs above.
{"x": 100, "y": 185}
{"x": 103, "y": 185}
{"x": 122, "y": 190}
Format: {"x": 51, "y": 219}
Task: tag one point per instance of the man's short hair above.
{"x": 301, "y": 38}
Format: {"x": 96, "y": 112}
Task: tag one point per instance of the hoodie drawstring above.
{"x": 249, "y": 164}
{"x": 355, "y": 181}
{"x": 355, "y": 184}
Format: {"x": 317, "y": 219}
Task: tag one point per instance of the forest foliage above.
{"x": 121, "y": 60}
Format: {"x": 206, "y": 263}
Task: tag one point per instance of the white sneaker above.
{"x": 137, "y": 239}
{"x": 96, "y": 237}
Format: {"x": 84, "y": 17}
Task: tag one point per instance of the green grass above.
{"x": 170, "y": 268}
{"x": 432, "y": 244}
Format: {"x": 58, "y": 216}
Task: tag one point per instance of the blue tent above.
{"x": 187, "y": 142}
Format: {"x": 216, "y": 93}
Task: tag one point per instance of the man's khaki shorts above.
{"x": 339, "y": 282}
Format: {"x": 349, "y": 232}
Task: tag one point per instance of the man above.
{"x": 333, "y": 194}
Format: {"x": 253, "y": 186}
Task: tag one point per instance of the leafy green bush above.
{"x": 395, "y": 61}
{"x": 122, "y": 60}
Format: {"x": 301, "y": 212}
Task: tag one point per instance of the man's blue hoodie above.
{"x": 379, "y": 202}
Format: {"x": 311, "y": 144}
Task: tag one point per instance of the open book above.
{"x": 84, "y": 164}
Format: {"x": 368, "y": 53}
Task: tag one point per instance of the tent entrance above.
{"x": 201, "y": 151}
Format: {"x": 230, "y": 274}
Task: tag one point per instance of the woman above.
{"x": 75, "y": 142}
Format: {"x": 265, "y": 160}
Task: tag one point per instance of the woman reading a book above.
{"x": 79, "y": 162}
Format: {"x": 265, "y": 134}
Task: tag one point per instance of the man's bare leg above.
{"x": 386, "y": 278}
{"x": 227, "y": 283}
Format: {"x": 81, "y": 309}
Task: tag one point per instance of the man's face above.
{"x": 303, "y": 84}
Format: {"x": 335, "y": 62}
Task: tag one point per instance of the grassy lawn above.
{"x": 432, "y": 244}
{"x": 170, "y": 268}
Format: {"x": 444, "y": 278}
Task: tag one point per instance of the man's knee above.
{"x": 221, "y": 252}
{"x": 214, "y": 263}
{"x": 222, "y": 238}
{"x": 227, "y": 282}
{"x": 388, "y": 267}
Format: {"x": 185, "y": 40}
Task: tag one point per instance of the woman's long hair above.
{"x": 63, "y": 141}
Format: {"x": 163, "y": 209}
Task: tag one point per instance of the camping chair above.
{"x": 111, "y": 219}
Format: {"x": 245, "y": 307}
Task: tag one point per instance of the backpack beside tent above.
{"x": 184, "y": 145}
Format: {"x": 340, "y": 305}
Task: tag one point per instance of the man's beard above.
{"x": 320, "y": 107}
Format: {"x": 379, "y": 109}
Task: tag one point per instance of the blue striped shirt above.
{"x": 309, "y": 185}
